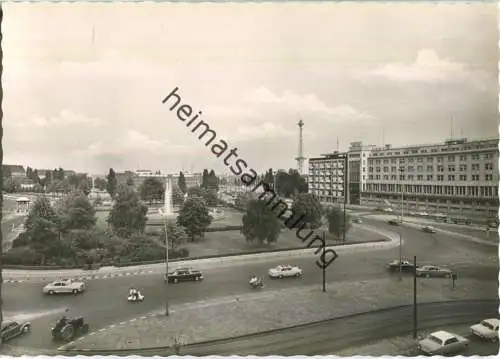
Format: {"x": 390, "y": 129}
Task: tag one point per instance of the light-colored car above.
{"x": 388, "y": 210}
{"x": 442, "y": 342}
{"x": 64, "y": 286}
{"x": 357, "y": 220}
{"x": 486, "y": 329}
{"x": 434, "y": 271}
{"x": 12, "y": 329}
{"x": 285, "y": 270}
{"x": 428, "y": 229}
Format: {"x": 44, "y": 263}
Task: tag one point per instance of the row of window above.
{"x": 439, "y": 168}
{"x": 475, "y": 191}
{"x": 474, "y": 177}
{"x": 474, "y": 156}
{"x": 442, "y": 149}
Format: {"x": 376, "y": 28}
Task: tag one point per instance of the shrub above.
{"x": 224, "y": 228}
{"x": 21, "y": 256}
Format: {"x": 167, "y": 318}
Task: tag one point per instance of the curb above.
{"x": 390, "y": 241}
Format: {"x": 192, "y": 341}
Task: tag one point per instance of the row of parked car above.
{"x": 443, "y": 342}
{"x": 426, "y": 271}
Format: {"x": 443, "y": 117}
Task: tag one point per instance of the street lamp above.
{"x": 401, "y": 171}
{"x": 166, "y": 248}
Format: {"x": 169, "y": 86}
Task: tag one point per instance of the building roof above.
{"x": 13, "y": 168}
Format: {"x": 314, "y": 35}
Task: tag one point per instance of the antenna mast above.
{"x": 300, "y": 158}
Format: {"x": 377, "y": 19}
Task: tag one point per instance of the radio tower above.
{"x": 300, "y": 159}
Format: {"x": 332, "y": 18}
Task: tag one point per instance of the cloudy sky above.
{"x": 83, "y": 84}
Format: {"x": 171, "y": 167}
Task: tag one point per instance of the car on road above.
{"x": 65, "y": 286}
{"x": 285, "y": 270}
{"x": 184, "y": 275}
{"x": 442, "y": 342}
{"x": 403, "y": 265}
{"x": 357, "y": 220}
{"x": 387, "y": 210}
{"x": 12, "y": 329}
{"x": 393, "y": 222}
{"x": 434, "y": 271}
{"x": 428, "y": 229}
{"x": 486, "y": 329}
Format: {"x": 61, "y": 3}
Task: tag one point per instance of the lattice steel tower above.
{"x": 300, "y": 159}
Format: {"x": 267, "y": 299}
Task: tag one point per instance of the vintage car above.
{"x": 65, "y": 286}
{"x": 184, "y": 275}
{"x": 486, "y": 329}
{"x": 68, "y": 329}
{"x": 434, "y": 271}
{"x": 428, "y": 229}
{"x": 441, "y": 342}
{"x": 12, "y": 329}
{"x": 393, "y": 222}
{"x": 403, "y": 266}
{"x": 357, "y": 220}
{"x": 285, "y": 270}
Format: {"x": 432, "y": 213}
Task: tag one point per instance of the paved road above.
{"x": 104, "y": 303}
{"x": 337, "y": 334}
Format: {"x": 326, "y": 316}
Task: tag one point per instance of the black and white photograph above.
{"x": 249, "y": 178}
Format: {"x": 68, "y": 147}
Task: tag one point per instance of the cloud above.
{"x": 132, "y": 141}
{"x": 428, "y": 67}
{"x": 265, "y": 130}
{"x": 64, "y": 118}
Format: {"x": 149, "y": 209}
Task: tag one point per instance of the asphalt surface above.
{"x": 104, "y": 302}
{"x": 335, "y": 335}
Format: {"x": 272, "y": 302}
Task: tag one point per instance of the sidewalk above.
{"x": 14, "y": 275}
{"x": 263, "y": 311}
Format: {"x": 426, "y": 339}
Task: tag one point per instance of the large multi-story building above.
{"x": 327, "y": 177}
{"x": 457, "y": 176}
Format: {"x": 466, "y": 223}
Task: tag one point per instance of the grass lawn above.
{"x": 231, "y": 217}
{"x": 228, "y": 242}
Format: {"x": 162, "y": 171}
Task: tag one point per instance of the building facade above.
{"x": 458, "y": 176}
{"x": 327, "y": 177}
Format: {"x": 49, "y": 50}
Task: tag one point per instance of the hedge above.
{"x": 224, "y": 228}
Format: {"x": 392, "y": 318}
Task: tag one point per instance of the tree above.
{"x": 290, "y": 184}
{"x": 58, "y": 186}
{"x": 210, "y": 197}
{"x": 130, "y": 181}
{"x": 310, "y": 208}
{"x": 78, "y": 213}
{"x": 269, "y": 178}
{"x": 128, "y": 214}
{"x": 181, "y": 182}
{"x": 204, "y": 179}
{"x": 11, "y": 185}
{"x": 100, "y": 183}
{"x": 194, "y": 217}
{"x": 260, "y": 223}
{"x": 152, "y": 189}
{"x": 177, "y": 196}
{"x": 176, "y": 235}
{"x": 212, "y": 181}
{"x": 42, "y": 227}
{"x": 195, "y": 191}
{"x": 112, "y": 183}
{"x": 336, "y": 221}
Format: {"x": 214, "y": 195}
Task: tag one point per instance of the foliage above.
{"x": 21, "y": 256}
{"x": 11, "y": 185}
{"x": 177, "y": 196}
{"x": 336, "y": 221}
{"x": 152, "y": 189}
{"x": 58, "y": 186}
{"x": 260, "y": 223}
{"x": 142, "y": 247}
{"x": 290, "y": 184}
{"x": 209, "y": 195}
{"x": 100, "y": 183}
{"x": 269, "y": 178}
{"x": 195, "y": 191}
{"x": 310, "y": 208}
{"x": 242, "y": 199}
{"x": 130, "y": 181}
{"x": 111, "y": 183}
{"x": 77, "y": 212}
{"x": 209, "y": 180}
{"x": 128, "y": 214}
{"x": 194, "y": 217}
{"x": 42, "y": 227}
{"x": 176, "y": 235}
{"x": 181, "y": 182}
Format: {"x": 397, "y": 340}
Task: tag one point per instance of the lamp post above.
{"x": 323, "y": 267}
{"x": 167, "y": 188}
{"x": 401, "y": 171}
{"x": 415, "y": 297}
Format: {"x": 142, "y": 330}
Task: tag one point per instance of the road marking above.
{"x": 112, "y": 326}
{"x": 101, "y": 330}
{"x": 145, "y": 317}
{"x": 122, "y": 323}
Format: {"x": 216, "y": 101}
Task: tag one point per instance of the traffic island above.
{"x": 232, "y": 317}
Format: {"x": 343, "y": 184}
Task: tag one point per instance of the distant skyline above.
{"x": 83, "y": 84}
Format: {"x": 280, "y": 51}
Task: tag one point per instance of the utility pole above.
{"x": 346, "y": 193}
{"x": 323, "y": 266}
{"x": 414, "y": 297}
{"x": 400, "y": 257}
{"x": 165, "y": 214}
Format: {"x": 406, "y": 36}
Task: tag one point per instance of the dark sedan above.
{"x": 184, "y": 275}
{"x": 403, "y": 266}
{"x": 434, "y": 271}
{"x": 393, "y": 222}
{"x": 12, "y": 329}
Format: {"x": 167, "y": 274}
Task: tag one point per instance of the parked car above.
{"x": 64, "y": 286}
{"x": 441, "y": 342}
{"x": 428, "y": 229}
{"x": 357, "y": 220}
{"x": 434, "y": 271}
{"x": 404, "y": 266}
{"x": 12, "y": 329}
{"x": 388, "y": 210}
{"x": 184, "y": 275}
{"x": 393, "y": 222}
{"x": 285, "y": 270}
{"x": 486, "y": 329}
